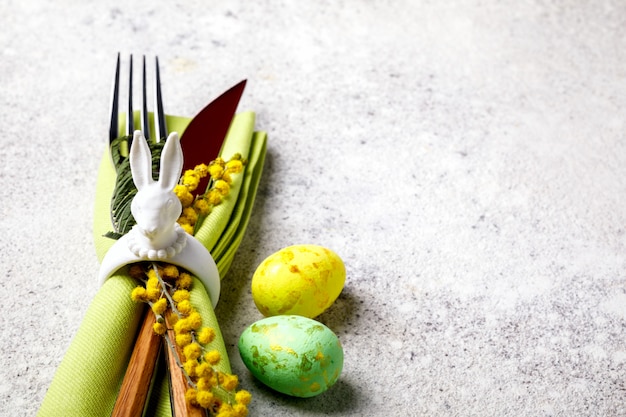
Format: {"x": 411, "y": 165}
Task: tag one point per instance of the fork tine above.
{"x": 160, "y": 124}
{"x": 130, "y": 116}
{"x": 113, "y": 128}
{"x": 159, "y": 117}
{"x": 144, "y": 103}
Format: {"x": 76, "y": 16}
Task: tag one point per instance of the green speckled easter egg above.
{"x": 294, "y": 355}
{"x": 300, "y": 279}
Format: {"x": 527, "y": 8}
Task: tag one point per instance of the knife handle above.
{"x": 178, "y": 383}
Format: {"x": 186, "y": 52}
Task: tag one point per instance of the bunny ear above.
{"x": 140, "y": 161}
{"x": 171, "y": 162}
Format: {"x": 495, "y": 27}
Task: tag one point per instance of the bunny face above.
{"x": 155, "y": 207}
{"x": 154, "y": 211}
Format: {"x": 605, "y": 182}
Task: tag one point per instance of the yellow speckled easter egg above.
{"x": 301, "y": 279}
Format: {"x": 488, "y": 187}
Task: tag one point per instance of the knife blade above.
{"x": 202, "y": 139}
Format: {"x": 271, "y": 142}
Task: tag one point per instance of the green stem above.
{"x": 172, "y": 348}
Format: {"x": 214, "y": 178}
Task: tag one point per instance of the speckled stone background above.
{"x": 467, "y": 159}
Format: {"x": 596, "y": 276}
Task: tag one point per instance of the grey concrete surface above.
{"x": 466, "y": 159}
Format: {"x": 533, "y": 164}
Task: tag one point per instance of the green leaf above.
{"x": 112, "y": 235}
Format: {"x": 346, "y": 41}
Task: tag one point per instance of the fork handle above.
{"x": 133, "y": 394}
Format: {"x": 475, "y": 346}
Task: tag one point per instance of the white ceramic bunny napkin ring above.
{"x": 157, "y": 236}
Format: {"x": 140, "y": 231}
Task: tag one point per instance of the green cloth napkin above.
{"x": 90, "y": 375}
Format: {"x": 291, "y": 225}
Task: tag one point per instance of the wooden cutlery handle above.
{"x": 133, "y": 394}
{"x": 178, "y": 383}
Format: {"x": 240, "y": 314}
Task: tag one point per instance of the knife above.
{"x": 202, "y": 139}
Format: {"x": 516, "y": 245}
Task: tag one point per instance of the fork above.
{"x": 160, "y": 126}
{"x": 139, "y": 377}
